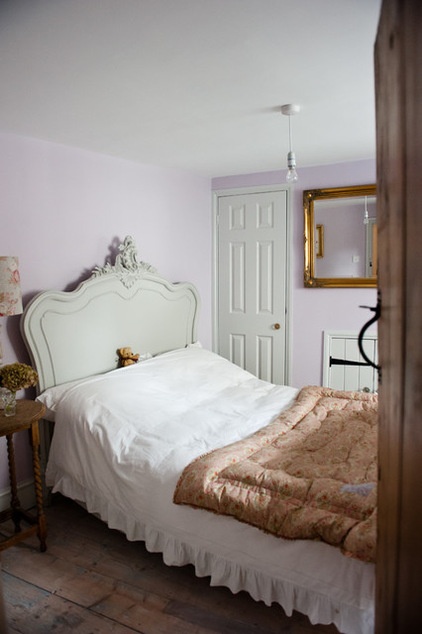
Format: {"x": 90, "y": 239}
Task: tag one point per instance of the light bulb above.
{"x": 366, "y": 215}
{"x": 291, "y": 176}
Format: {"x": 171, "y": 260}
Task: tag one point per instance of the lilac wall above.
{"x": 61, "y": 209}
{"x": 314, "y": 310}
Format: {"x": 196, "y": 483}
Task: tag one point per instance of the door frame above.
{"x": 219, "y": 193}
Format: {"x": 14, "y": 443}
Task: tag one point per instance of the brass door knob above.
{"x": 277, "y": 326}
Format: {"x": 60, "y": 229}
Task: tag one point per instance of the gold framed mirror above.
{"x": 340, "y": 237}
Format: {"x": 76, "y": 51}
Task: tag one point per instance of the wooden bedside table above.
{"x": 28, "y": 413}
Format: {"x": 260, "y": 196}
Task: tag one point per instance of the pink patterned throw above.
{"x": 310, "y": 474}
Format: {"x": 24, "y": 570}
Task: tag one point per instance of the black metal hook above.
{"x": 377, "y": 310}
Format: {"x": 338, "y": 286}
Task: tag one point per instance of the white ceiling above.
{"x": 192, "y": 84}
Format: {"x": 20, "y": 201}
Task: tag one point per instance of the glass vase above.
{"x": 9, "y": 403}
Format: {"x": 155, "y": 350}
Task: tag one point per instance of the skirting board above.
{"x": 26, "y": 496}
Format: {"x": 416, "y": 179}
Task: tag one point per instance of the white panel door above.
{"x": 252, "y": 282}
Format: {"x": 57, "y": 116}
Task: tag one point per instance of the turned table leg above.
{"x": 14, "y": 500}
{"x": 42, "y": 523}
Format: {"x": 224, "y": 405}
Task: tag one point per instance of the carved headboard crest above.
{"x": 74, "y": 334}
{"x": 127, "y": 267}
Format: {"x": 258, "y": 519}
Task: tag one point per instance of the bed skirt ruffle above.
{"x": 319, "y": 608}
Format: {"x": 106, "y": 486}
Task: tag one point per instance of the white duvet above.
{"x": 120, "y": 443}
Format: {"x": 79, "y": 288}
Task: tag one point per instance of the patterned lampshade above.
{"x": 10, "y": 289}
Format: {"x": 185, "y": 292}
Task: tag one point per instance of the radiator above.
{"x": 343, "y": 346}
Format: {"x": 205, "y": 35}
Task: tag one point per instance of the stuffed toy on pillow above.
{"x": 127, "y": 357}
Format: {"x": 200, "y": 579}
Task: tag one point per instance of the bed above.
{"x": 123, "y": 455}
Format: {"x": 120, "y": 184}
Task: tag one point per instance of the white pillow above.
{"x": 52, "y": 396}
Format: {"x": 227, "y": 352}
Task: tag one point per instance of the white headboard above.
{"x": 75, "y": 334}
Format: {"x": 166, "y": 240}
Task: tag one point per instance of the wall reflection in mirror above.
{"x": 340, "y": 237}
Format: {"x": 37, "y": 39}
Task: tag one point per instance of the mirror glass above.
{"x": 340, "y": 237}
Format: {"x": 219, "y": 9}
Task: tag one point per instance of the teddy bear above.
{"x": 127, "y": 357}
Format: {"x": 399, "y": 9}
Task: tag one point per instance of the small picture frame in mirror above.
{"x": 319, "y": 241}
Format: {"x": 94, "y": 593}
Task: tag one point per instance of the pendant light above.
{"x": 366, "y": 214}
{"x": 290, "y": 109}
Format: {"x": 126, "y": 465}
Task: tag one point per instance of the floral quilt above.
{"x": 309, "y": 474}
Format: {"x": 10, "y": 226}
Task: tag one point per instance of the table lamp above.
{"x": 10, "y": 289}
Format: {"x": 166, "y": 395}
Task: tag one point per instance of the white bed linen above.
{"x": 121, "y": 441}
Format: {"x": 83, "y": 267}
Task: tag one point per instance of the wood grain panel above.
{"x": 399, "y": 169}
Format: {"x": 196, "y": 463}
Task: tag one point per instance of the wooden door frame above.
{"x": 399, "y": 167}
{"x": 219, "y": 193}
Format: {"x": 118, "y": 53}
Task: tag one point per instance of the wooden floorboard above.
{"x": 92, "y": 580}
